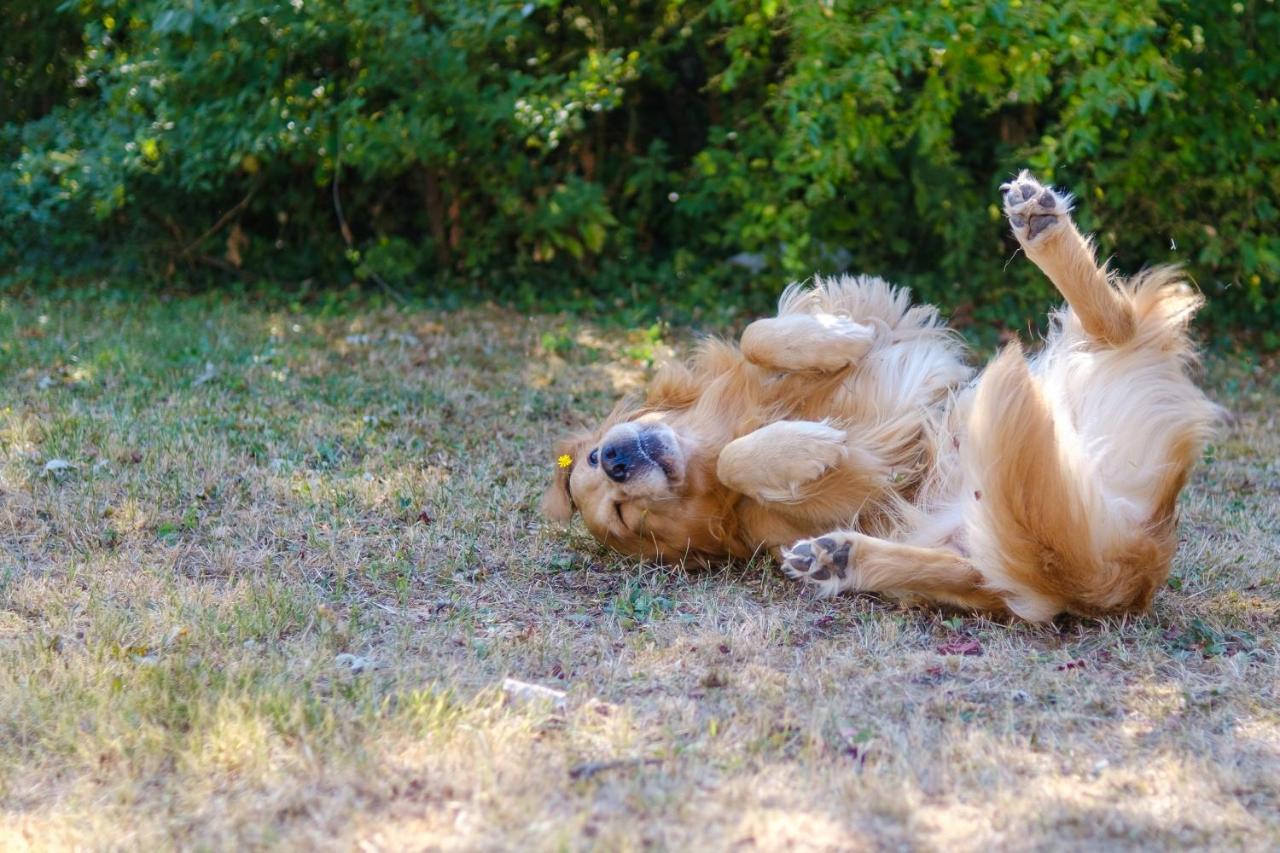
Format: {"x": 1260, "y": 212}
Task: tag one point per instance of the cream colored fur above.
{"x": 818, "y": 420}
{"x": 771, "y": 464}
{"x": 1056, "y": 477}
{"x": 1048, "y": 484}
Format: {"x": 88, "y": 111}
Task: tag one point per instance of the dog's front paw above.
{"x": 825, "y": 562}
{"x": 859, "y": 336}
{"x": 805, "y": 342}
{"x": 776, "y": 462}
{"x": 1034, "y": 210}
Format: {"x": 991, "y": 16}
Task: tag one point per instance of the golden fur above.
{"x": 876, "y": 409}
{"x": 1045, "y": 485}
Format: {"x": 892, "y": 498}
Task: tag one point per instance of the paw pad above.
{"x": 818, "y": 560}
{"x": 798, "y": 560}
{"x": 1033, "y": 208}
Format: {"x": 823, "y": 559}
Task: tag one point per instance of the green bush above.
{"x": 559, "y": 150}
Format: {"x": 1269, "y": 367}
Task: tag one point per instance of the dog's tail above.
{"x": 1040, "y": 527}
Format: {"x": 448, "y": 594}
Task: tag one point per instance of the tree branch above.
{"x": 222, "y": 221}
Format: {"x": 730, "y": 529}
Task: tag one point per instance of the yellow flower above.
{"x": 565, "y": 461}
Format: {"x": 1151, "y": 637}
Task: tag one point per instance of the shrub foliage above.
{"x": 675, "y": 147}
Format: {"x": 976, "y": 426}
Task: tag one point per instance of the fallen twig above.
{"x": 590, "y": 768}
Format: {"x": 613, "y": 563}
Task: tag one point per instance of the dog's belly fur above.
{"x": 892, "y": 404}
{"x": 1120, "y": 423}
{"x": 1054, "y": 482}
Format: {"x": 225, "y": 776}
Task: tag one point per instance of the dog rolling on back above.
{"x": 1047, "y": 485}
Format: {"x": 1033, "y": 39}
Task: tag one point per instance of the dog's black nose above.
{"x": 618, "y": 459}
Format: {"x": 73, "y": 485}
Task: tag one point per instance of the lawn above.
{"x": 263, "y": 572}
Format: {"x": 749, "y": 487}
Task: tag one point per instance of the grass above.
{"x": 273, "y": 596}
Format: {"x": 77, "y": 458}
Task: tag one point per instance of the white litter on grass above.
{"x": 57, "y": 467}
{"x": 403, "y": 338}
{"x": 355, "y": 663}
{"x": 44, "y": 383}
{"x": 533, "y": 694}
{"x": 209, "y": 372}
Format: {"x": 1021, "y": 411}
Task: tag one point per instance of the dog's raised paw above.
{"x": 1034, "y": 210}
{"x": 825, "y": 562}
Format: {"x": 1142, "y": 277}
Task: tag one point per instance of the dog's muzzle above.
{"x": 630, "y": 455}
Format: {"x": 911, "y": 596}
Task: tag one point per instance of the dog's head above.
{"x": 644, "y": 480}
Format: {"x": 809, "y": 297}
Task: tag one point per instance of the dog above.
{"x": 848, "y": 437}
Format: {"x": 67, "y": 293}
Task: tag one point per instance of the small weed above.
{"x": 558, "y": 342}
{"x": 1202, "y": 639}
{"x": 646, "y": 350}
{"x": 635, "y": 605}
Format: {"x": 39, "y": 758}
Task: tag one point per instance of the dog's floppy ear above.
{"x": 557, "y": 503}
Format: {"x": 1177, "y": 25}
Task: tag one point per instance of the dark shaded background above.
{"x": 661, "y": 157}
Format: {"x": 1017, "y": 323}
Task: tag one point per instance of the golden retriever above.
{"x": 848, "y": 436}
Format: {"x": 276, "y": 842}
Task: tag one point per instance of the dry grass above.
{"x": 257, "y": 497}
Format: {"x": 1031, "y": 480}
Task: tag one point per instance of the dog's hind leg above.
{"x": 1041, "y": 220}
{"x": 846, "y": 560}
